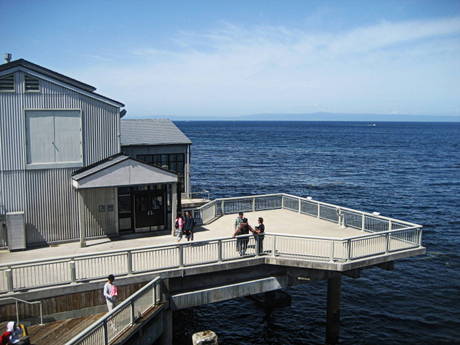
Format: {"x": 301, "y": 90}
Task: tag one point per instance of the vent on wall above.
{"x": 7, "y": 83}
{"x": 31, "y": 83}
{"x": 16, "y": 230}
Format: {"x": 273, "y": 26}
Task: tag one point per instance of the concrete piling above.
{"x": 333, "y": 310}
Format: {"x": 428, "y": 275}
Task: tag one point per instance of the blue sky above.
{"x": 229, "y": 58}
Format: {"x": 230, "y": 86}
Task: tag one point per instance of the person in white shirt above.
{"x": 109, "y": 295}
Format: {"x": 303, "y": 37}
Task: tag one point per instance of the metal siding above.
{"x": 47, "y": 196}
{"x": 96, "y": 222}
{"x": 51, "y": 206}
{"x": 12, "y": 132}
{"x": 15, "y": 190}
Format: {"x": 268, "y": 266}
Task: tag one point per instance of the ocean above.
{"x": 409, "y": 171}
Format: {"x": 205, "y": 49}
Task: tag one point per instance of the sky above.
{"x": 231, "y": 58}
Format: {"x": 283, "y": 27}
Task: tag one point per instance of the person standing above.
{"x": 189, "y": 225}
{"x": 179, "y": 227}
{"x": 241, "y": 228}
{"x": 258, "y": 232}
{"x": 110, "y": 292}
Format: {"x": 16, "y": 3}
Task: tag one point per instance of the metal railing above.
{"x": 201, "y": 194}
{"x": 344, "y": 216}
{"x": 17, "y": 300}
{"x": 122, "y": 317}
{"x": 380, "y": 235}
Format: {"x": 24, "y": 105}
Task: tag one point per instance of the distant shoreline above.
{"x": 312, "y": 121}
{"x": 311, "y": 118}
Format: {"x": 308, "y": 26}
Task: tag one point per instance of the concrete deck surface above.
{"x": 276, "y": 221}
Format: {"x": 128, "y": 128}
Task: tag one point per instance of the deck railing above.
{"x": 380, "y": 235}
{"x": 121, "y": 318}
{"x": 346, "y": 217}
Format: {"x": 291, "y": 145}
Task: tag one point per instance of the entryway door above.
{"x": 149, "y": 210}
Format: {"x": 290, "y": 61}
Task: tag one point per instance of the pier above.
{"x": 305, "y": 240}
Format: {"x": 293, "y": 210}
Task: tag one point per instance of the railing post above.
{"x": 129, "y": 262}
{"x": 158, "y": 292}
{"x": 387, "y": 247}
{"x": 318, "y": 213}
{"x": 253, "y": 204}
{"x": 17, "y": 312}
{"x": 106, "y": 332}
{"x": 41, "y": 314}
{"x": 363, "y": 222}
{"x": 419, "y": 237}
{"x": 257, "y": 245}
{"x": 133, "y": 317}
{"x": 219, "y": 251}
{"x": 300, "y": 205}
{"x": 9, "y": 279}
{"x": 222, "y": 206}
{"x": 73, "y": 271}
{"x": 274, "y": 246}
{"x": 390, "y": 225}
{"x": 282, "y": 201}
{"x": 331, "y": 256}
{"x": 181, "y": 255}
{"x": 349, "y": 250}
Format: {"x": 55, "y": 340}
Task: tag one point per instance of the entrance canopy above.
{"x": 118, "y": 171}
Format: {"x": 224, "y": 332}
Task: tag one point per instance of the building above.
{"x": 61, "y": 166}
{"x": 157, "y": 142}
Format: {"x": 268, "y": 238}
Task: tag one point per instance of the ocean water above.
{"x": 409, "y": 171}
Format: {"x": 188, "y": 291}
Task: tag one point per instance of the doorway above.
{"x": 142, "y": 208}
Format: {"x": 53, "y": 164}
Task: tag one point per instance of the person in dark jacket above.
{"x": 258, "y": 232}
{"x": 189, "y": 224}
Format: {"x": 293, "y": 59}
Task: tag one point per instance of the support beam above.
{"x": 81, "y": 203}
{"x": 173, "y": 207}
{"x": 333, "y": 310}
{"x": 167, "y": 336}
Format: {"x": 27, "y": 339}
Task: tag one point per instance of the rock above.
{"x": 204, "y": 338}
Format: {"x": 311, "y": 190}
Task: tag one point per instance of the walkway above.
{"x": 276, "y": 221}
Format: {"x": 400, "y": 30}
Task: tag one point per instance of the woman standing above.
{"x": 179, "y": 227}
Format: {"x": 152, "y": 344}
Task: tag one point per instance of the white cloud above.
{"x": 410, "y": 66}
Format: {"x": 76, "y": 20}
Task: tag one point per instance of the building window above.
{"x": 7, "y": 83}
{"x": 53, "y": 138}
{"x": 31, "y": 84}
{"x": 172, "y": 162}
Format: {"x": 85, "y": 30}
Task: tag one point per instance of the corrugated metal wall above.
{"x": 47, "y": 196}
{"x": 98, "y": 218}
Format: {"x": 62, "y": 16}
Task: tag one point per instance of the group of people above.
{"x": 184, "y": 226}
{"x": 242, "y": 227}
{"x": 14, "y": 334}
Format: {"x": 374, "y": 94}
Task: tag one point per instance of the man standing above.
{"x": 258, "y": 232}
{"x": 189, "y": 224}
{"x": 110, "y": 292}
{"x": 241, "y": 228}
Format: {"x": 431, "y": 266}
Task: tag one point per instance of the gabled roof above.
{"x": 120, "y": 170}
{"x": 21, "y": 63}
{"x": 151, "y": 132}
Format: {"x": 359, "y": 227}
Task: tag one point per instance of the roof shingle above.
{"x": 151, "y": 132}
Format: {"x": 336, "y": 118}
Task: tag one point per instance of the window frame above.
{"x": 52, "y": 165}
